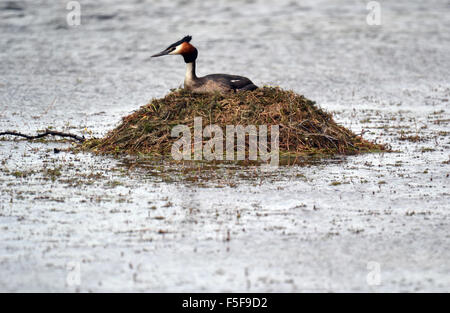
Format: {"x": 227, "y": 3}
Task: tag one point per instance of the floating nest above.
{"x": 304, "y": 128}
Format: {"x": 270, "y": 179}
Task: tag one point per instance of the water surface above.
{"x": 156, "y": 228}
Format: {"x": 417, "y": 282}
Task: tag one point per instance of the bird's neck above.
{"x": 190, "y": 73}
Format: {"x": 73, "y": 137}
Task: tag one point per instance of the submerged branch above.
{"x": 46, "y": 133}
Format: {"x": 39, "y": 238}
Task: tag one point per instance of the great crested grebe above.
{"x": 209, "y": 83}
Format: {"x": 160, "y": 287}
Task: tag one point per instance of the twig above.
{"x": 46, "y": 133}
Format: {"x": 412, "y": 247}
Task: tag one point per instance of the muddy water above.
{"x": 80, "y": 222}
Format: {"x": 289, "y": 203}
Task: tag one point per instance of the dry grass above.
{"x": 303, "y": 127}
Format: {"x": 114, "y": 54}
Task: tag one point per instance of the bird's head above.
{"x": 183, "y": 47}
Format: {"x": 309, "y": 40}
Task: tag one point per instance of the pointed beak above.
{"x": 165, "y": 52}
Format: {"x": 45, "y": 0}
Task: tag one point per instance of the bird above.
{"x": 209, "y": 83}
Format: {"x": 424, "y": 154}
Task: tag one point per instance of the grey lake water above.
{"x": 82, "y": 222}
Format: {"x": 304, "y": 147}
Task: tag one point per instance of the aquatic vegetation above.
{"x": 304, "y": 128}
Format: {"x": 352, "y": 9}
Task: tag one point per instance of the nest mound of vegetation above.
{"x": 303, "y": 127}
